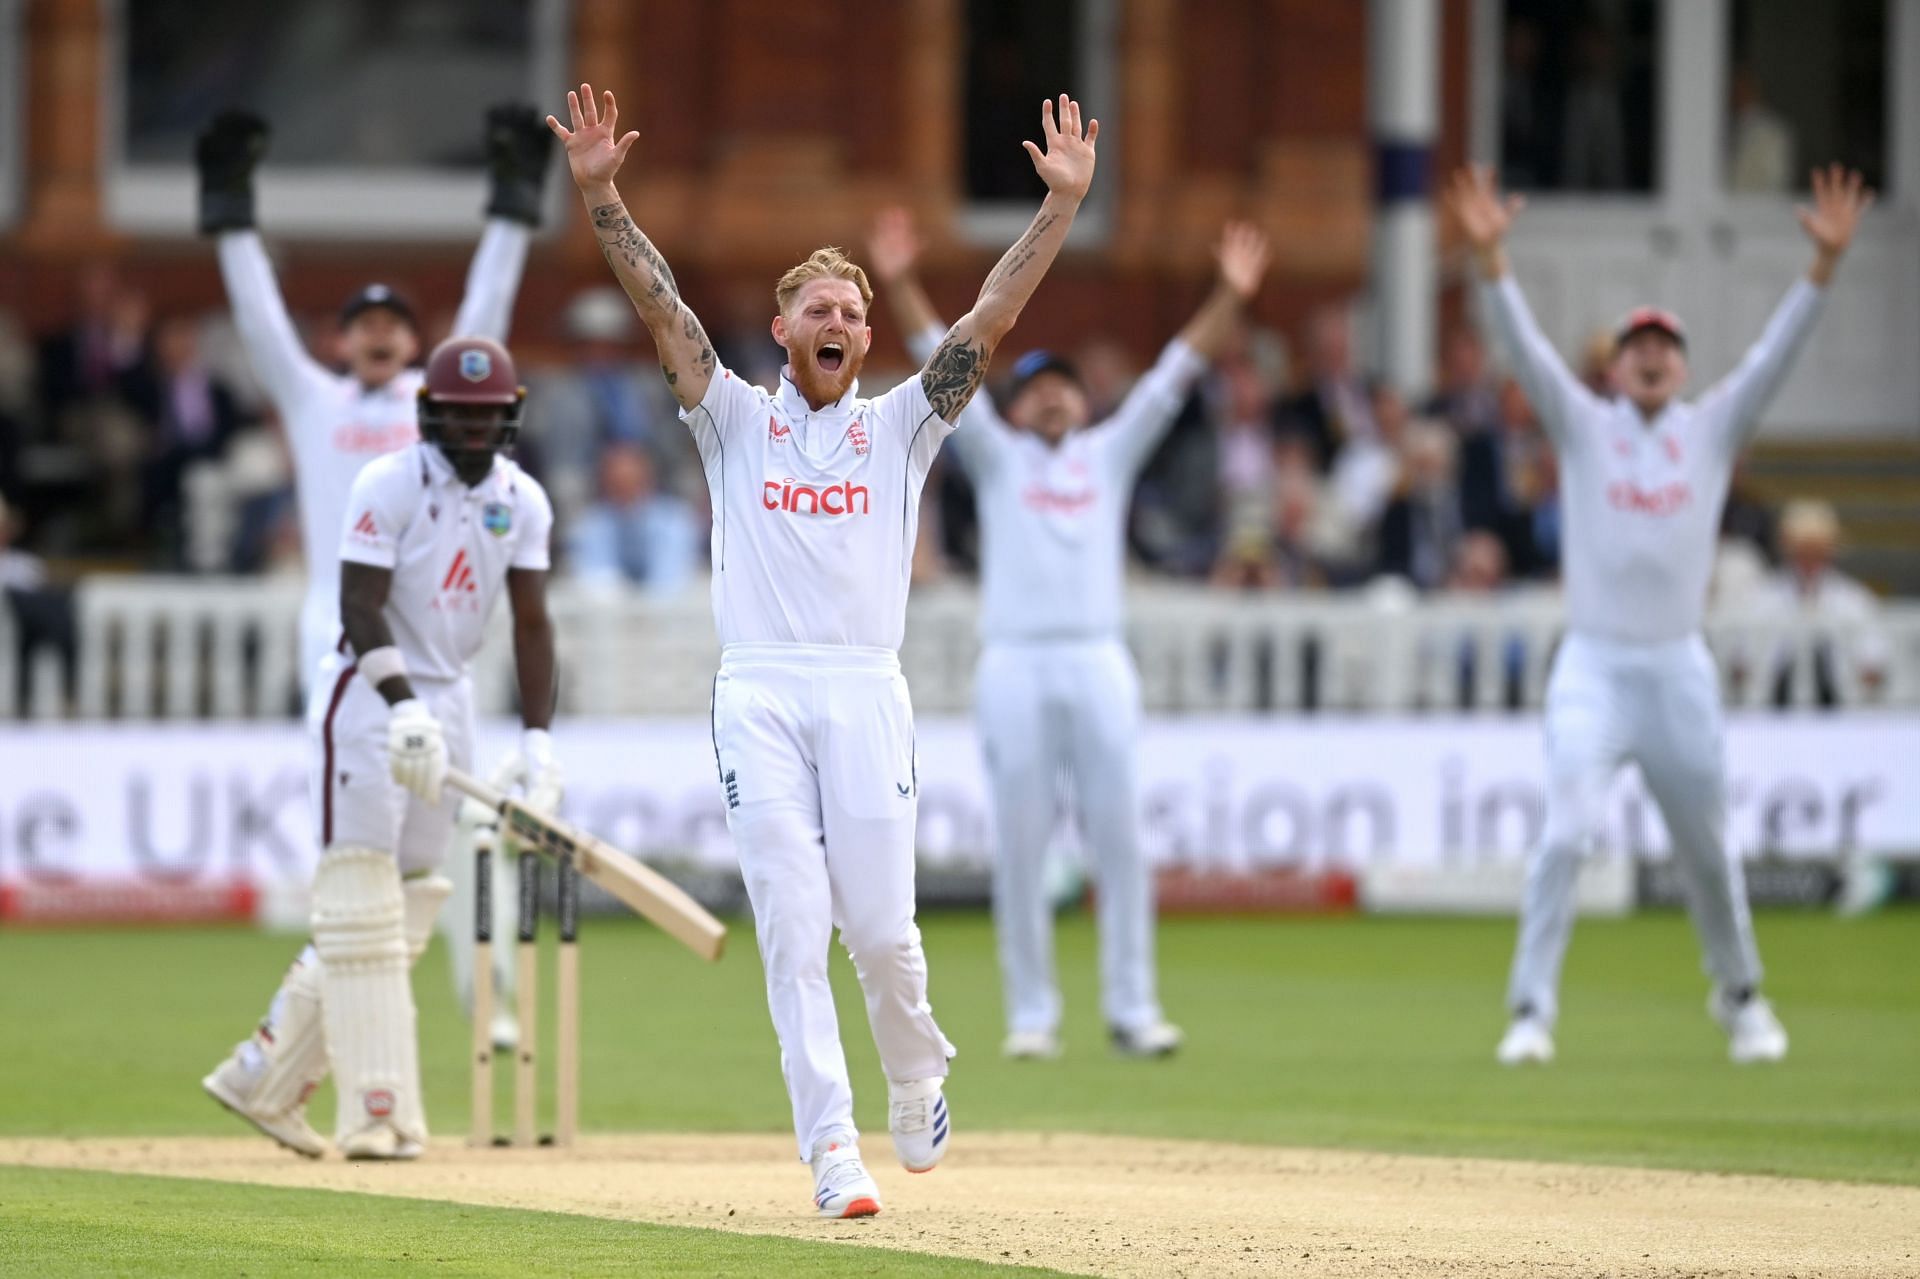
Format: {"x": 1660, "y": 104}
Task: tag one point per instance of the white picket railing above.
{"x": 161, "y": 647}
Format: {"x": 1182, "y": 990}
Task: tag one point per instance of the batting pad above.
{"x": 423, "y": 898}
{"x": 297, "y": 1056}
{"x": 359, "y": 929}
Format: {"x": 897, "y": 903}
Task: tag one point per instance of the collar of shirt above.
{"x": 794, "y": 405}
{"x": 436, "y": 471}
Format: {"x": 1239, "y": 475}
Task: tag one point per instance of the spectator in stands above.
{"x": 1422, "y": 525}
{"x": 1469, "y": 398}
{"x": 1367, "y": 471}
{"x": 190, "y": 417}
{"x": 1334, "y": 408}
{"x": 607, "y": 396}
{"x": 1760, "y": 143}
{"x": 1245, "y": 482}
{"x": 1480, "y": 572}
{"x": 42, "y": 612}
{"x": 1509, "y": 486}
{"x": 106, "y": 340}
{"x": 1844, "y": 616}
{"x": 635, "y": 533}
{"x": 1748, "y": 517}
{"x": 1596, "y": 364}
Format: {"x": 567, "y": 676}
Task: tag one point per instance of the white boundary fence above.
{"x": 195, "y": 647}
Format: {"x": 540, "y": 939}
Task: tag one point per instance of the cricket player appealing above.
{"x": 1056, "y": 686}
{"x": 1643, "y": 480}
{"x": 336, "y": 422}
{"x": 433, "y": 535}
{"x": 815, "y": 493}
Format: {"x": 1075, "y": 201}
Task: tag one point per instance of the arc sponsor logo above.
{"x": 365, "y": 529}
{"x": 795, "y": 498}
{"x": 460, "y": 575}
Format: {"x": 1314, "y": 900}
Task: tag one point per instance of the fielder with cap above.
{"x": 1056, "y": 687}
{"x": 335, "y": 423}
{"x": 1644, "y": 476}
{"x": 433, "y": 535}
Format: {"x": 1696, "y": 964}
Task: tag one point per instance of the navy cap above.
{"x": 1034, "y": 363}
{"x": 377, "y": 295}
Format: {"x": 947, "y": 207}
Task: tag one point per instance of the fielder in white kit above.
{"x": 815, "y": 493}
{"x": 1643, "y": 480}
{"x": 335, "y": 423}
{"x": 1056, "y": 686}
{"x": 434, "y": 535}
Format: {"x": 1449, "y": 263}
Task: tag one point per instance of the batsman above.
{"x": 434, "y": 534}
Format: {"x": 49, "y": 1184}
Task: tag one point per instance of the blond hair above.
{"x": 822, "y": 264}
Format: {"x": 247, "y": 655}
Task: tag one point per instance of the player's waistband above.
{"x": 1054, "y": 640}
{"x": 812, "y": 657}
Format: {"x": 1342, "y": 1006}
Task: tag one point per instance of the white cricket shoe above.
{"x": 1527, "y": 1041}
{"x": 1154, "y": 1039}
{"x": 1031, "y": 1045}
{"x": 1753, "y": 1032}
{"x": 917, "y": 1118}
{"x": 842, "y": 1187}
{"x": 381, "y": 1142}
{"x": 232, "y": 1084}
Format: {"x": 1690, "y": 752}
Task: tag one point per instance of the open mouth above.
{"x": 831, "y": 356}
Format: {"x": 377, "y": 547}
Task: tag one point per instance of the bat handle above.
{"x": 475, "y": 788}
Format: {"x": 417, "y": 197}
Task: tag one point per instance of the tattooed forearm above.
{"x": 953, "y": 375}
{"x": 1021, "y": 254}
{"x": 621, "y": 241}
{"x": 691, "y": 329}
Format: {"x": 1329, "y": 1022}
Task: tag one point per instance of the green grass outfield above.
{"x": 1373, "y": 1033}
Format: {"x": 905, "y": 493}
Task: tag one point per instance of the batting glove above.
{"x": 225, "y": 154}
{"x": 417, "y": 749}
{"x": 543, "y": 781}
{"x": 518, "y": 147}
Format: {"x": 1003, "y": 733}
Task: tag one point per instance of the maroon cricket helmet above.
{"x": 464, "y": 371}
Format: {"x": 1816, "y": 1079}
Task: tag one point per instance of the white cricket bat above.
{"x": 648, "y": 893}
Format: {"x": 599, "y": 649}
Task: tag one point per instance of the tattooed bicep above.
{"x": 954, "y": 374}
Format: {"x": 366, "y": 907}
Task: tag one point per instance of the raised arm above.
{"x": 1840, "y": 198}
{"x": 594, "y": 155}
{"x": 1157, "y": 398}
{"x": 893, "y": 249}
{"x": 225, "y": 156}
{"x": 1484, "y": 217}
{"x": 954, "y": 372}
{"x": 518, "y": 150}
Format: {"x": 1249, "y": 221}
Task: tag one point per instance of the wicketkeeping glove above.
{"x": 417, "y": 749}
{"x": 518, "y": 146}
{"x": 226, "y": 153}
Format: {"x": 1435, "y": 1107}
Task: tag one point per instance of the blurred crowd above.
{"x": 139, "y": 441}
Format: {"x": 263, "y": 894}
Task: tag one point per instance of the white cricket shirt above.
{"x": 1641, "y": 500}
{"x": 1053, "y": 520}
{"x": 334, "y": 425}
{"x": 815, "y": 512}
{"x": 449, "y": 546}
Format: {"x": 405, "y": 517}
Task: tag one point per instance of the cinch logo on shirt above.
{"x": 1665, "y": 500}
{"x": 356, "y": 437}
{"x": 1039, "y": 498}
{"x": 804, "y": 499}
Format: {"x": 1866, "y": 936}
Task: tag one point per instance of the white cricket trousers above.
{"x": 1610, "y": 701}
{"x": 1045, "y": 708}
{"x": 815, "y": 749}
